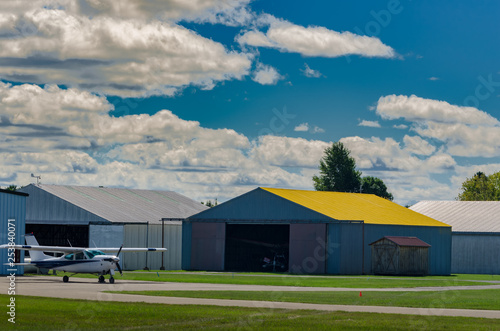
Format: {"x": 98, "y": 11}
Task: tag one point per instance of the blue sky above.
{"x": 213, "y": 98}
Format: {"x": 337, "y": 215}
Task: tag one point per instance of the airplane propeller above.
{"x": 118, "y": 260}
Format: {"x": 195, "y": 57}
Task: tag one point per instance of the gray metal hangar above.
{"x": 475, "y": 247}
{"x": 305, "y": 232}
{"x": 109, "y": 217}
{"x": 12, "y": 227}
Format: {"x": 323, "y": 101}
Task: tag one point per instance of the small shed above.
{"x": 407, "y": 256}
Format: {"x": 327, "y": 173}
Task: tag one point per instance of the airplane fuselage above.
{"x": 101, "y": 264}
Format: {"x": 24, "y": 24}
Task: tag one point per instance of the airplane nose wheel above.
{"x": 65, "y": 279}
{"x": 111, "y": 280}
{"x": 101, "y": 279}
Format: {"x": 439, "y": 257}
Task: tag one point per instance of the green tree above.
{"x": 11, "y": 188}
{"x": 481, "y": 187}
{"x": 210, "y": 204}
{"x": 337, "y": 171}
{"x": 374, "y": 185}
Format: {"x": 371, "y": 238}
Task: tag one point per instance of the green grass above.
{"x": 38, "y": 313}
{"x": 295, "y": 280}
{"x": 466, "y": 299}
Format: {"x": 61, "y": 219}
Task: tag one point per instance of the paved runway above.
{"x": 90, "y": 289}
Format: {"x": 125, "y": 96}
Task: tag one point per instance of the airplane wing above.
{"x": 54, "y": 249}
{"x": 114, "y": 250}
{"x": 61, "y": 249}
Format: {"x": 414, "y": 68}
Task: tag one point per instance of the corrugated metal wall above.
{"x": 258, "y": 205}
{"x": 438, "y": 237}
{"x": 144, "y": 235}
{"x": 475, "y": 253}
{"x": 345, "y": 248}
{"x": 13, "y": 207}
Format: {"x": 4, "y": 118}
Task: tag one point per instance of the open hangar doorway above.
{"x": 257, "y": 247}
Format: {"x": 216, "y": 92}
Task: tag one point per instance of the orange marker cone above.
{"x": 360, "y": 294}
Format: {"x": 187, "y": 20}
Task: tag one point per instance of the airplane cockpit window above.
{"x": 69, "y": 256}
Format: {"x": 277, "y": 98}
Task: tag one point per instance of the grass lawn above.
{"x": 466, "y": 299}
{"x": 38, "y": 313}
{"x": 296, "y": 280}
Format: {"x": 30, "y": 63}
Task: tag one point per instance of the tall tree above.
{"x": 481, "y": 187}
{"x": 337, "y": 171}
{"x": 374, "y": 185}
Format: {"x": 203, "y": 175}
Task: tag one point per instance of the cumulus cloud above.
{"x": 266, "y": 75}
{"x": 466, "y": 131}
{"x": 371, "y": 124}
{"x": 311, "y": 73}
{"x": 417, "y": 145}
{"x": 111, "y": 55}
{"x": 314, "y": 41}
{"x": 69, "y": 137}
{"x": 303, "y": 127}
{"x": 415, "y": 109}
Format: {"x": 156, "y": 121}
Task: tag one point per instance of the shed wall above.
{"x": 475, "y": 253}
{"x": 12, "y": 207}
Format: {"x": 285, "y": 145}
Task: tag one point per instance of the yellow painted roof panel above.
{"x": 356, "y": 207}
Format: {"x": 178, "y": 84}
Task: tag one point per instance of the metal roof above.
{"x": 121, "y": 205}
{"x": 463, "y": 216}
{"x": 356, "y": 207}
{"x": 405, "y": 241}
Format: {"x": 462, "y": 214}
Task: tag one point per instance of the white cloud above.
{"x": 115, "y": 56}
{"x": 68, "y": 137}
{"x": 289, "y": 152}
{"x": 311, "y": 73}
{"x": 371, "y": 124}
{"x": 417, "y": 145}
{"x": 400, "y": 126}
{"x": 304, "y": 127}
{"x": 466, "y": 131}
{"x": 266, "y": 75}
{"x": 314, "y": 41}
{"x": 415, "y": 109}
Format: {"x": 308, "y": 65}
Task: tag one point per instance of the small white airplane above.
{"x": 76, "y": 260}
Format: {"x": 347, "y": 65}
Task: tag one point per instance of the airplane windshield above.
{"x": 93, "y": 252}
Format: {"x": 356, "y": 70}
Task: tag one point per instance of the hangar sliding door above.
{"x": 308, "y": 248}
{"x": 207, "y": 246}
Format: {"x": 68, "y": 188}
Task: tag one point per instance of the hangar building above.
{"x": 475, "y": 233}
{"x": 312, "y": 232}
{"x": 12, "y": 223}
{"x": 109, "y": 217}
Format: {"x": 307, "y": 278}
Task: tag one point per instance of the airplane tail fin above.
{"x": 35, "y": 255}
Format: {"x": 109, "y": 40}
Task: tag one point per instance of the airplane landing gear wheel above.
{"x": 101, "y": 279}
{"x": 111, "y": 280}
{"x": 65, "y": 279}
